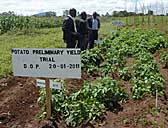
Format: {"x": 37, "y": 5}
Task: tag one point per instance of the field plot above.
{"x": 120, "y": 81}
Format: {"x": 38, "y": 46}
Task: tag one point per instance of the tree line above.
{"x": 125, "y": 13}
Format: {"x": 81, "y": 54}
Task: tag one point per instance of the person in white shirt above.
{"x": 70, "y": 34}
{"x": 94, "y": 25}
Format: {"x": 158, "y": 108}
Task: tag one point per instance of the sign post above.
{"x": 118, "y": 24}
{"x": 48, "y": 98}
{"x": 47, "y": 63}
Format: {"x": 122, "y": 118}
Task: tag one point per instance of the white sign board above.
{"x": 98, "y": 41}
{"x": 118, "y": 23}
{"x": 40, "y": 83}
{"x": 53, "y": 84}
{"x": 56, "y": 85}
{"x": 48, "y": 63}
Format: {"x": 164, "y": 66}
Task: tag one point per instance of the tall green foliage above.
{"x": 8, "y": 23}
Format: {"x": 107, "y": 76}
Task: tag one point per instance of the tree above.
{"x": 78, "y": 13}
{"x": 65, "y": 12}
{"x": 141, "y": 14}
{"x": 9, "y": 13}
{"x": 150, "y": 12}
{"x": 50, "y": 13}
{"x": 115, "y": 14}
{"x": 123, "y": 13}
{"x": 107, "y": 14}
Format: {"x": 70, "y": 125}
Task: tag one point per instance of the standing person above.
{"x": 82, "y": 28}
{"x": 70, "y": 34}
{"x": 94, "y": 25}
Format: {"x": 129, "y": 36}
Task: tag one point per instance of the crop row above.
{"x": 8, "y": 23}
{"x": 140, "y": 45}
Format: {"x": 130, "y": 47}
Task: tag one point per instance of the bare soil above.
{"x": 19, "y": 109}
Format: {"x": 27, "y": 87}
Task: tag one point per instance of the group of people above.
{"x": 80, "y": 33}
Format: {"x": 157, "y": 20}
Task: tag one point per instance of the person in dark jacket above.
{"x": 94, "y": 25}
{"x": 82, "y": 28}
{"x": 70, "y": 34}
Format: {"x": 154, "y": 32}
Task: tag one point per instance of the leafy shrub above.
{"x": 164, "y": 59}
{"x": 86, "y": 105}
{"x": 147, "y": 78}
{"x": 125, "y": 74}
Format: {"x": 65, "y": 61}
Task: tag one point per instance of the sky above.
{"x": 30, "y": 7}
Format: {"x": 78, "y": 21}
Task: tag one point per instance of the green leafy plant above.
{"x": 125, "y": 74}
{"x": 91, "y": 60}
{"x": 85, "y": 110}
{"x": 89, "y": 102}
{"x": 86, "y": 105}
{"x": 58, "y": 98}
{"x": 107, "y": 69}
{"x": 164, "y": 59}
{"x": 147, "y": 78}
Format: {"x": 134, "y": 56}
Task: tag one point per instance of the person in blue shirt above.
{"x": 93, "y": 25}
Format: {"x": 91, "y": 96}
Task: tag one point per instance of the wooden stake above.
{"x": 156, "y": 102}
{"x": 48, "y": 98}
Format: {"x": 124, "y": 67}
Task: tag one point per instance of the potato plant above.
{"x": 146, "y": 77}
{"x": 164, "y": 59}
{"x": 86, "y": 105}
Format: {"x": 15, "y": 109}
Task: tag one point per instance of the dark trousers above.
{"x": 92, "y": 38}
{"x": 83, "y": 42}
{"x": 71, "y": 44}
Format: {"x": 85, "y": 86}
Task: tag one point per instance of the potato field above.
{"x": 124, "y": 81}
